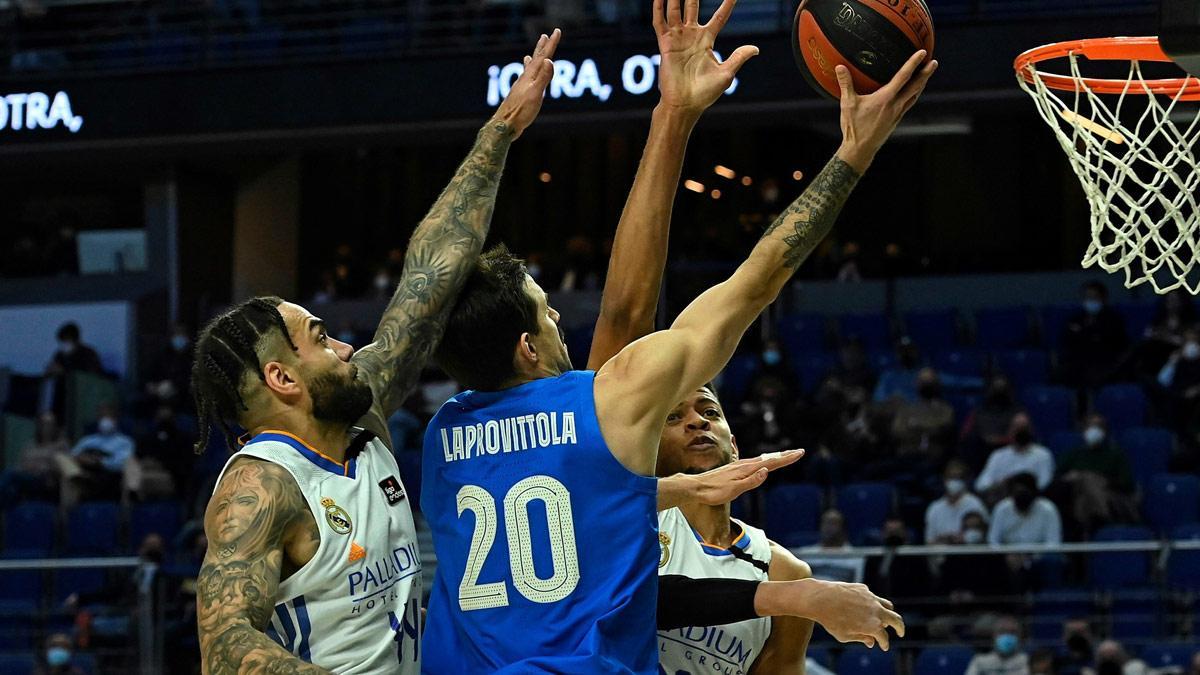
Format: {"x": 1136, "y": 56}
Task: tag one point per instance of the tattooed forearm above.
{"x": 440, "y": 256}
{"x": 246, "y": 521}
{"x": 806, "y": 222}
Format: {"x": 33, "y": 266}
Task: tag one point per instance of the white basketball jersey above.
{"x": 356, "y": 606}
{"x": 728, "y": 649}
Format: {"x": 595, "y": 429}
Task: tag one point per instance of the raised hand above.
{"x": 524, "y": 100}
{"x": 868, "y": 120}
{"x": 852, "y": 613}
{"x": 725, "y": 484}
{"x": 690, "y": 77}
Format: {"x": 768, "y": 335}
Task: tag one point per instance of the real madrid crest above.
{"x": 336, "y": 516}
{"x": 664, "y": 543}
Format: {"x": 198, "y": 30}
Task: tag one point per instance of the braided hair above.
{"x": 225, "y": 350}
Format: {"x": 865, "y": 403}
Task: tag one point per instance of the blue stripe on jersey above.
{"x": 741, "y": 542}
{"x": 305, "y": 629}
{"x": 289, "y": 628}
{"x": 347, "y": 470}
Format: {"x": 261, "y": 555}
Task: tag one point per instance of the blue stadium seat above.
{"x": 811, "y": 368}
{"x": 18, "y": 619}
{"x": 410, "y": 475}
{"x": 1062, "y": 442}
{"x": 1123, "y": 405}
{"x": 873, "y": 330}
{"x": 1054, "y": 321}
{"x": 1002, "y": 328}
{"x": 1183, "y": 567}
{"x": 1136, "y": 613}
{"x": 791, "y": 511}
{"x": 1138, "y": 318}
{"x": 1063, "y": 603}
{"x": 858, "y": 660}
{"x": 85, "y": 662}
{"x": 367, "y": 36}
{"x": 31, "y": 527}
{"x": 1050, "y": 408}
{"x": 963, "y": 404}
{"x": 80, "y": 580}
{"x": 1114, "y": 570}
{"x": 821, "y": 655}
{"x": 932, "y": 331}
{"x": 800, "y": 333}
{"x": 161, "y": 518}
{"x": 1171, "y": 500}
{"x": 1024, "y": 367}
{"x": 949, "y": 660}
{"x": 960, "y": 362}
{"x": 21, "y": 585}
{"x": 1169, "y": 655}
{"x": 579, "y": 342}
{"x": 17, "y": 664}
{"x": 865, "y": 506}
{"x": 1149, "y": 450}
{"x": 92, "y": 528}
{"x": 736, "y": 378}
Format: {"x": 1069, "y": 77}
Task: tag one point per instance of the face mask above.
{"x": 66, "y": 346}
{"x": 955, "y": 486}
{"x": 1006, "y": 644}
{"x": 1022, "y": 437}
{"x": 1191, "y": 351}
{"x": 772, "y": 357}
{"x": 179, "y": 342}
{"x": 56, "y": 657}
{"x": 1093, "y": 436}
{"x": 106, "y": 425}
{"x": 973, "y": 536}
{"x": 1092, "y": 307}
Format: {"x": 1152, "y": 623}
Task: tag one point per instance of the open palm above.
{"x": 690, "y": 76}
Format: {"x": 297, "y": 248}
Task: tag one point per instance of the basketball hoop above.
{"x": 1136, "y": 163}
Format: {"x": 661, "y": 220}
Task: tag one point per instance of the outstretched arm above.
{"x": 690, "y": 79}
{"x": 635, "y": 389}
{"x": 255, "y": 508}
{"x": 446, "y": 244}
{"x": 785, "y": 649}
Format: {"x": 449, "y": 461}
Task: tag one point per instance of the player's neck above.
{"x": 329, "y": 439}
{"x": 710, "y": 522}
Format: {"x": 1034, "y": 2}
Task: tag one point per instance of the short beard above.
{"x": 340, "y": 400}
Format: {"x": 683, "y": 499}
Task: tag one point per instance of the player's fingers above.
{"x": 720, "y": 17}
{"x": 844, "y": 82}
{"x": 545, "y": 73}
{"x": 691, "y": 11}
{"x": 778, "y": 460}
{"x": 866, "y": 640}
{"x": 881, "y": 637}
{"x": 894, "y": 621}
{"x": 885, "y": 602}
{"x": 552, "y": 43}
{"x": 913, "y": 90}
{"x": 896, "y": 85}
{"x": 658, "y": 19}
{"x": 739, "y": 57}
{"x": 673, "y": 13}
{"x": 527, "y": 60}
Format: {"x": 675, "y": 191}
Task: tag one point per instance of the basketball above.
{"x": 873, "y": 38}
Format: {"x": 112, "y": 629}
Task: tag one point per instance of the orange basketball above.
{"x": 872, "y": 38}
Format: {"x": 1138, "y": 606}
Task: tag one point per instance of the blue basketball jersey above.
{"x": 547, "y": 546}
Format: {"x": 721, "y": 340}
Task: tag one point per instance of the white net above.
{"x": 1134, "y": 154}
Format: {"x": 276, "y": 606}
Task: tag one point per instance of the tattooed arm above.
{"x": 255, "y": 518}
{"x": 446, "y": 244}
{"x": 637, "y": 388}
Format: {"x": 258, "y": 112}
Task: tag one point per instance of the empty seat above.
{"x": 736, "y": 378}
{"x": 1149, "y": 450}
{"x": 77, "y": 580}
{"x": 1054, "y": 321}
{"x": 1002, "y": 328}
{"x": 21, "y": 585}
{"x": 30, "y": 527}
{"x": 792, "y": 511}
{"x": 960, "y": 362}
{"x": 811, "y": 368}
{"x": 949, "y": 660}
{"x": 410, "y": 476}
{"x": 872, "y": 330}
{"x": 17, "y": 664}
{"x": 865, "y": 506}
{"x": 18, "y": 619}
{"x": 1062, "y": 442}
{"x": 933, "y": 331}
{"x": 1171, "y": 500}
{"x": 1138, "y": 317}
{"x": 1169, "y": 655}
{"x": 161, "y": 518}
{"x": 1114, "y": 570}
{"x": 1023, "y": 367}
{"x": 1050, "y": 408}
{"x": 92, "y": 528}
{"x": 1123, "y": 405}
{"x": 858, "y": 660}
{"x": 1183, "y": 567}
{"x": 800, "y": 333}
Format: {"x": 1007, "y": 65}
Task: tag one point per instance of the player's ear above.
{"x": 526, "y": 351}
{"x": 280, "y": 379}
{"x": 736, "y": 453}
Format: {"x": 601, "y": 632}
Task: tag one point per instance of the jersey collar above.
{"x": 345, "y": 469}
{"x": 741, "y": 541}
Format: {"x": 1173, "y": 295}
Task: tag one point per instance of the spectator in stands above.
{"x": 1079, "y": 642}
{"x": 1098, "y": 479}
{"x": 580, "y": 272}
{"x": 35, "y": 475}
{"x": 168, "y": 378}
{"x": 1041, "y": 662}
{"x": 1175, "y": 314}
{"x": 896, "y": 576}
{"x": 900, "y": 381}
{"x": 1178, "y": 389}
{"x": 1112, "y": 659}
{"x": 966, "y": 578}
{"x": 944, "y": 517}
{"x": 72, "y": 356}
{"x": 1006, "y": 657}
{"x": 1025, "y": 517}
{"x": 769, "y": 412}
{"x": 105, "y": 615}
{"x": 161, "y": 463}
{"x": 1020, "y": 456}
{"x": 853, "y": 370}
{"x": 987, "y": 426}
{"x": 923, "y": 429}
{"x": 96, "y": 465}
{"x": 56, "y": 659}
{"x": 833, "y": 538}
{"x": 849, "y": 271}
{"x": 1094, "y": 341}
{"x": 1194, "y": 668}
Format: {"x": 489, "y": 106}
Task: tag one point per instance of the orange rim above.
{"x": 1106, "y": 49}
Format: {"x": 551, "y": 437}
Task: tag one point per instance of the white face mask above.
{"x": 973, "y": 536}
{"x": 1093, "y": 436}
{"x": 955, "y": 486}
{"x": 1191, "y": 351}
{"x": 106, "y": 425}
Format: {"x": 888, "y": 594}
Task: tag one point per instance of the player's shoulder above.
{"x": 785, "y": 566}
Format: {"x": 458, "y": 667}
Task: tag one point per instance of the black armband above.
{"x": 683, "y": 601}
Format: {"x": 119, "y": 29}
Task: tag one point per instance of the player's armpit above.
{"x": 256, "y": 507}
{"x": 784, "y": 651}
